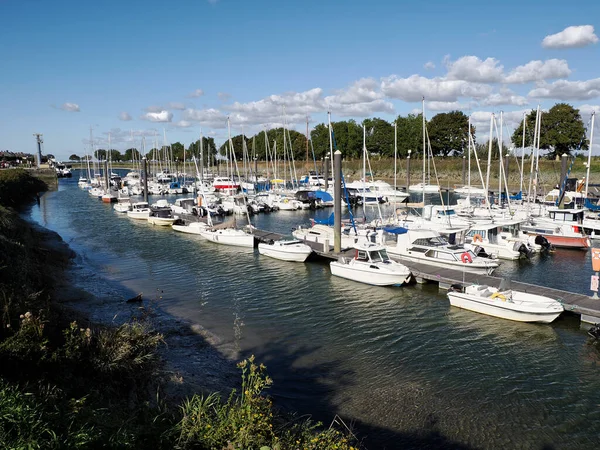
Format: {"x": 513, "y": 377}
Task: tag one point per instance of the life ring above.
{"x": 477, "y": 238}
{"x": 466, "y": 257}
{"x": 499, "y": 295}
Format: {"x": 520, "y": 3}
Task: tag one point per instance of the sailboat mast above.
{"x": 587, "y": 175}
{"x": 500, "y": 159}
{"x": 523, "y": 153}
{"x": 396, "y": 162}
{"x": 424, "y": 149}
{"x": 469, "y": 161}
{"x": 489, "y": 161}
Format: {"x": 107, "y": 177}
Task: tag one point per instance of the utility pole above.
{"x": 40, "y": 141}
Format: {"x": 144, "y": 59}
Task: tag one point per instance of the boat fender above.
{"x": 477, "y": 238}
{"x": 466, "y": 257}
{"x": 499, "y": 295}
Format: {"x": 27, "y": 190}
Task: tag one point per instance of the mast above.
{"x": 396, "y": 162}
{"x": 307, "y": 163}
{"x": 469, "y": 161}
{"x": 587, "y": 175}
{"x": 489, "y": 161}
{"x": 523, "y": 153}
{"x": 424, "y": 149}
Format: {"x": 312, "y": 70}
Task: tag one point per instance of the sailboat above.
{"x": 425, "y": 187}
{"x": 229, "y": 236}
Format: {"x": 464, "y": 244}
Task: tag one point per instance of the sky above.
{"x": 170, "y": 70}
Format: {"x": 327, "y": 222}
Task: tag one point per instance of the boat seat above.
{"x": 486, "y": 293}
{"x": 481, "y": 287}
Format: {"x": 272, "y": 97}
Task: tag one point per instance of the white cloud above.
{"x": 361, "y": 91}
{"x": 504, "y": 97}
{"x": 162, "y": 116}
{"x": 154, "y": 108}
{"x": 413, "y": 88}
{"x": 571, "y": 37}
{"x": 510, "y": 120}
{"x": 538, "y": 71}
{"x": 124, "y": 116}
{"x": 471, "y": 68}
{"x": 568, "y": 90}
{"x": 223, "y": 96}
{"x": 429, "y": 65}
{"x": 196, "y": 93}
{"x": 183, "y": 124}
{"x": 176, "y": 105}
{"x": 446, "y": 106}
{"x": 206, "y": 117}
{"x": 72, "y": 107}
{"x": 587, "y": 110}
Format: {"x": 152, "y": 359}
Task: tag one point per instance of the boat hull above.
{"x": 285, "y": 253}
{"x": 501, "y": 309}
{"x": 568, "y": 241}
{"x": 374, "y": 277}
{"x": 161, "y": 221}
{"x": 227, "y": 238}
{"x": 139, "y": 215}
{"x": 461, "y": 267}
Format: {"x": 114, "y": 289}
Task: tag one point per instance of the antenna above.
{"x": 40, "y": 141}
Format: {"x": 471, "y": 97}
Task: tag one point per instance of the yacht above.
{"x": 428, "y": 247}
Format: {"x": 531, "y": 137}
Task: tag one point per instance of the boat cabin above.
{"x": 376, "y": 255}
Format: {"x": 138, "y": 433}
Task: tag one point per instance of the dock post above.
{"x": 145, "y": 177}
{"x": 106, "y": 176}
{"x": 337, "y": 197}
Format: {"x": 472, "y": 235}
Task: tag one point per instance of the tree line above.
{"x": 561, "y": 131}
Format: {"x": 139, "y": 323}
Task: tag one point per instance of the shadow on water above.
{"x": 296, "y": 373}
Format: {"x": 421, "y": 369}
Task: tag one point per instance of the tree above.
{"x": 448, "y": 132}
{"x": 132, "y": 154}
{"x": 348, "y": 139}
{"x": 410, "y": 134}
{"x": 380, "y": 136}
{"x": 74, "y": 157}
{"x": 482, "y": 150}
{"x": 561, "y": 131}
{"x": 209, "y": 150}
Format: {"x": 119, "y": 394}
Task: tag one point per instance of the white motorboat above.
{"x": 285, "y": 250}
{"x": 122, "y": 207}
{"x": 505, "y": 303}
{"x": 563, "y": 228}
{"x": 139, "y": 210}
{"x": 371, "y": 265}
{"x": 228, "y": 236}
{"x": 426, "y": 188}
{"x": 428, "y": 247}
{"x": 490, "y": 239}
{"x": 161, "y": 216}
{"x": 184, "y": 226}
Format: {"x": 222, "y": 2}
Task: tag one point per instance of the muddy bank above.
{"x": 191, "y": 363}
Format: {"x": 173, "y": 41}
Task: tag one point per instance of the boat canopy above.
{"x": 324, "y": 196}
{"x": 395, "y": 230}
{"x": 589, "y": 205}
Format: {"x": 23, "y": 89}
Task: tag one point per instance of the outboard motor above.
{"x": 524, "y": 250}
{"x": 595, "y": 331}
{"x": 456, "y": 288}
{"x": 543, "y": 242}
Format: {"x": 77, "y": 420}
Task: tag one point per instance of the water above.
{"x": 405, "y": 367}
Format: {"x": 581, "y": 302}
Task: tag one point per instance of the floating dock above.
{"x": 587, "y": 307}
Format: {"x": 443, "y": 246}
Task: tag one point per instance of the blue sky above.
{"x": 171, "y": 68}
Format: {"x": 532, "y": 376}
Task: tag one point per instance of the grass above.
{"x": 63, "y": 385}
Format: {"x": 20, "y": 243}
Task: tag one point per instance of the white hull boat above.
{"x": 190, "y": 228}
{"x": 505, "y": 303}
{"x": 229, "y": 236}
{"x": 427, "y": 188}
{"x": 292, "y": 250}
{"x": 371, "y": 265}
{"x": 139, "y": 211}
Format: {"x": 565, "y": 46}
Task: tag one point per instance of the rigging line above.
{"x": 344, "y": 185}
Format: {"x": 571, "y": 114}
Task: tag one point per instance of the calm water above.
{"x": 405, "y": 367}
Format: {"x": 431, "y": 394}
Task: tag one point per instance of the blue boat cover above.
{"x": 589, "y": 205}
{"x": 324, "y": 195}
{"x": 395, "y": 230}
{"x": 328, "y": 221}
{"x": 518, "y": 196}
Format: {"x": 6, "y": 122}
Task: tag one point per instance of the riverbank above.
{"x": 81, "y": 370}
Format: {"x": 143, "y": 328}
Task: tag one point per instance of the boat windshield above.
{"x": 379, "y": 255}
